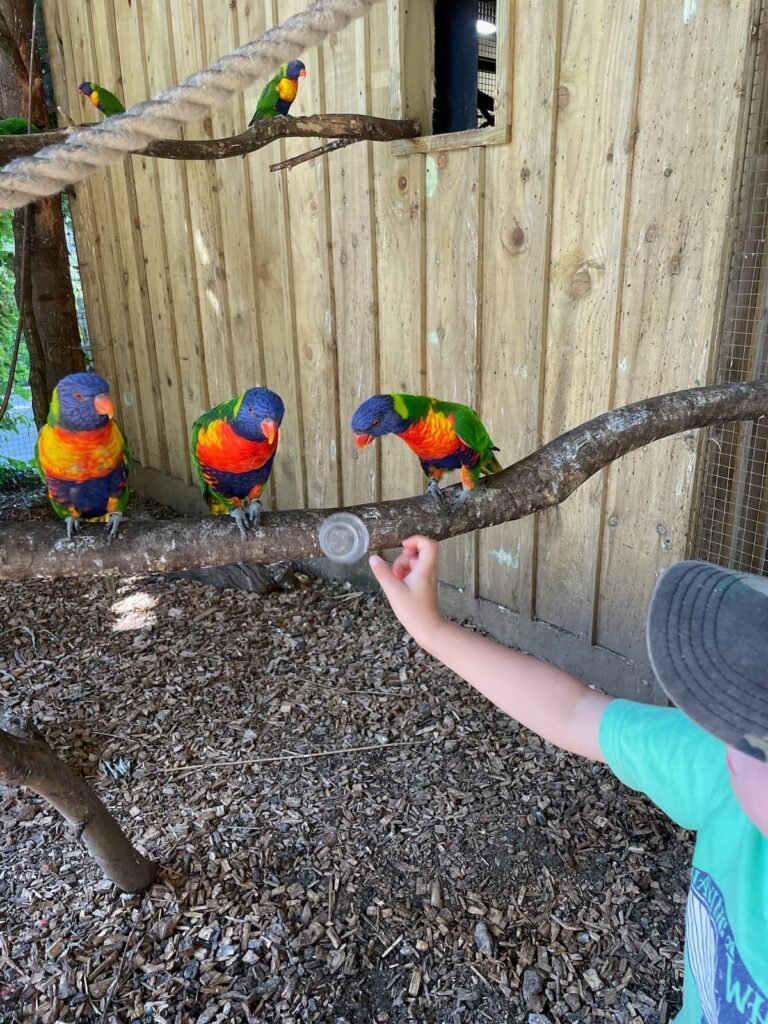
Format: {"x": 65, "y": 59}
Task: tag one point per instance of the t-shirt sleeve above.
{"x": 662, "y": 753}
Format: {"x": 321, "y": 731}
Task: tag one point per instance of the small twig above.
{"x": 120, "y": 966}
{"x": 312, "y": 154}
{"x": 568, "y": 927}
{"x": 289, "y": 757}
{"x": 391, "y": 946}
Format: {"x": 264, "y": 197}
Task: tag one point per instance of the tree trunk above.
{"x": 543, "y": 479}
{"x": 50, "y": 317}
{"x": 27, "y": 760}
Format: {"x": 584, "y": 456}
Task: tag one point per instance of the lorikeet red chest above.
{"x": 219, "y": 447}
{"x": 433, "y": 438}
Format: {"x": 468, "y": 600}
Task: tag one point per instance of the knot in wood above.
{"x": 580, "y": 283}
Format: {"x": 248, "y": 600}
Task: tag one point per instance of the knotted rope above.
{"x": 84, "y": 152}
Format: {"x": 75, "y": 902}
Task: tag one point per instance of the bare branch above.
{"x": 542, "y": 479}
{"x": 27, "y": 760}
{"x": 357, "y": 127}
{"x": 312, "y": 154}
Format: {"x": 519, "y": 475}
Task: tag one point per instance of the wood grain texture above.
{"x": 519, "y": 197}
{"x": 680, "y": 203}
{"x": 593, "y": 156}
{"x": 454, "y": 212}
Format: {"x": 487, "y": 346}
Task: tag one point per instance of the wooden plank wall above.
{"x": 576, "y": 267}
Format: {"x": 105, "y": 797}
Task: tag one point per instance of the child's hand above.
{"x": 411, "y": 587}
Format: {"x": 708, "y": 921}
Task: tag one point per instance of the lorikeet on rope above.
{"x": 16, "y": 126}
{"x": 279, "y": 92}
{"x": 82, "y": 456}
{"x": 443, "y": 435}
{"x": 101, "y": 98}
{"x": 233, "y": 446}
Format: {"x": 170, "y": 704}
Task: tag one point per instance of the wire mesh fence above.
{"x": 486, "y": 62}
{"x": 733, "y": 511}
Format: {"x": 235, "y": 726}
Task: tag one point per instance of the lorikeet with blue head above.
{"x": 82, "y": 456}
{"x": 101, "y": 98}
{"x": 233, "y": 447}
{"x": 279, "y": 92}
{"x": 16, "y": 126}
{"x": 443, "y": 436}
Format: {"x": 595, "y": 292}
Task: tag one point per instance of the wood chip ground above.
{"x": 348, "y": 834}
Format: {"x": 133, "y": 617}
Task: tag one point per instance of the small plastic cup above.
{"x": 344, "y": 538}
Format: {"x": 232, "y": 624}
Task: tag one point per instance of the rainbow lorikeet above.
{"x": 443, "y": 435}
{"x": 16, "y": 126}
{"x": 101, "y": 98}
{"x": 81, "y": 454}
{"x": 279, "y": 92}
{"x": 233, "y": 446}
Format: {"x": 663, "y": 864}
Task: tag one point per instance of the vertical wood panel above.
{"x": 233, "y": 197}
{"x": 272, "y": 273}
{"x": 400, "y": 223}
{"x": 82, "y": 210}
{"x": 126, "y": 36}
{"x": 454, "y": 225}
{"x": 681, "y": 198}
{"x": 100, "y": 54}
{"x": 104, "y": 257}
{"x": 173, "y": 199}
{"x": 596, "y": 101}
{"x": 312, "y": 296}
{"x": 190, "y": 48}
{"x": 519, "y": 194}
{"x": 353, "y": 230}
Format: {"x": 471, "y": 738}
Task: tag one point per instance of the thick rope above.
{"x": 84, "y": 152}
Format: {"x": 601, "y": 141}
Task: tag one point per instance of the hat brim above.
{"x": 687, "y": 642}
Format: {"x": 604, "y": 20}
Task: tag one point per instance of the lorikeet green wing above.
{"x": 225, "y": 411}
{"x": 16, "y": 126}
{"x": 469, "y": 428}
{"x": 267, "y": 105}
{"x": 107, "y": 102}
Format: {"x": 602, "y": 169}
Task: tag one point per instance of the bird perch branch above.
{"x": 540, "y": 480}
{"x": 27, "y": 760}
{"x": 356, "y": 127}
{"x": 543, "y": 479}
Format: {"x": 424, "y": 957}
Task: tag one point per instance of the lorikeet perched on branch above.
{"x": 444, "y": 435}
{"x": 16, "y": 126}
{"x": 81, "y": 454}
{"x": 279, "y": 92}
{"x": 233, "y": 446}
{"x": 101, "y": 98}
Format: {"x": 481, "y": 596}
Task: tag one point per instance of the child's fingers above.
{"x": 385, "y": 577}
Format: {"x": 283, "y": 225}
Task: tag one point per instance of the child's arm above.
{"x": 542, "y": 697}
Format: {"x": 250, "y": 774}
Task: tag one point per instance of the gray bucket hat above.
{"x": 708, "y": 644}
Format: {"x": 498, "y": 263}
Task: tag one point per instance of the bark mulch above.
{"x": 347, "y": 833}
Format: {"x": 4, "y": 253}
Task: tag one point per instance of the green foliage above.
{"x": 8, "y": 323}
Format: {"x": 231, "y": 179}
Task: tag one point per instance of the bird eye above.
{"x": 376, "y": 422}
{"x": 77, "y": 396}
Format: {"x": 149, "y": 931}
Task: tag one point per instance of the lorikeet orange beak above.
{"x": 303, "y": 73}
{"x": 269, "y": 430}
{"x": 363, "y": 440}
{"x": 103, "y": 405}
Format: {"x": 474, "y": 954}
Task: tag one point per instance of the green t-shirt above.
{"x": 662, "y": 753}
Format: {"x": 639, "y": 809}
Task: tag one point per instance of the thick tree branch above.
{"x": 27, "y": 760}
{"x": 542, "y": 479}
{"x": 358, "y": 127}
